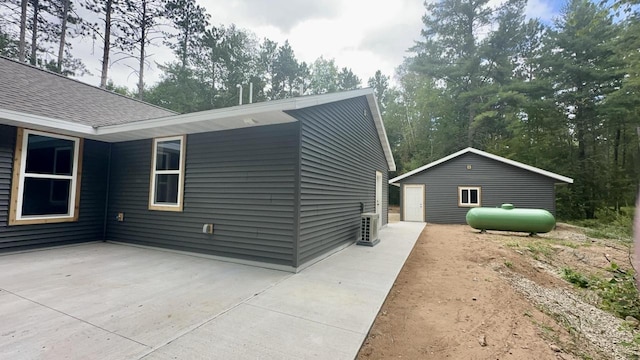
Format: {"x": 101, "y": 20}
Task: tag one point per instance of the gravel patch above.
{"x": 600, "y": 328}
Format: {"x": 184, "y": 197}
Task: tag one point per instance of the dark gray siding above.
{"x": 242, "y": 181}
{"x": 500, "y": 183}
{"x": 89, "y": 226}
{"x": 340, "y": 154}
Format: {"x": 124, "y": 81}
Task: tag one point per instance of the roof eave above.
{"x": 43, "y": 123}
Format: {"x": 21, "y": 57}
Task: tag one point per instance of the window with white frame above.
{"x": 469, "y": 196}
{"x": 167, "y": 174}
{"x": 46, "y": 170}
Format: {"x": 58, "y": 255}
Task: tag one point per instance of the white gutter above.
{"x": 38, "y": 122}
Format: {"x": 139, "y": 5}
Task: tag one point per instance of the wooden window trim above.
{"x": 460, "y": 188}
{"x": 17, "y": 181}
{"x": 152, "y": 181}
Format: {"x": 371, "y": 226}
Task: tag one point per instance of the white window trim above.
{"x": 20, "y": 175}
{"x": 153, "y": 205}
{"x": 468, "y": 188}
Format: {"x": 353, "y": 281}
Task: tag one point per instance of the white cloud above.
{"x": 540, "y": 9}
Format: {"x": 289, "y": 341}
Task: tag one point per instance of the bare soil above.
{"x": 466, "y": 295}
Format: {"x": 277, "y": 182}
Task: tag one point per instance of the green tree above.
{"x": 380, "y": 85}
{"x": 8, "y": 45}
{"x": 141, "y": 26}
{"x": 189, "y": 20}
{"x": 451, "y": 53}
{"x": 585, "y": 71}
{"x": 324, "y": 76}
{"x": 286, "y": 71}
{"x": 347, "y": 80}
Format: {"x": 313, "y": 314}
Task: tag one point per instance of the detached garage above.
{"x": 442, "y": 192}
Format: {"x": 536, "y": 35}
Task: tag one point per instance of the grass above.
{"x": 609, "y": 224}
{"x": 617, "y": 291}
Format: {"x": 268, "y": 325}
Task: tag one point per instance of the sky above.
{"x": 364, "y": 35}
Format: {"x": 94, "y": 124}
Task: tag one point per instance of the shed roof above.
{"x": 533, "y": 169}
{"x": 29, "y": 89}
{"x": 42, "y": 100}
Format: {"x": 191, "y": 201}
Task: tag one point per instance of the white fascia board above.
{"x": 487, "y": 155}
{"x": 382, "y": 132}
{"x": 523, "y": 166}
{"x": 43, "y": 123}
{"x": 429, "y": 165}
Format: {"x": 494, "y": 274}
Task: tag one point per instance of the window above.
{"x": 167, "y": 174}
{"x": 469, "y": 196}
{"x": 47, "y": 173}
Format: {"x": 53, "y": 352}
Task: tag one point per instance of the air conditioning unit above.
{"x": 368, "y": 234}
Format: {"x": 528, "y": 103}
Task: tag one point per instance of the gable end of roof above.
{"x": 514, "y": 163}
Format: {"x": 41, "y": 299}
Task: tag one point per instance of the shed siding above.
{"x": 89, "y": 226}
{"x": 501, "y": 183}
{"x": 340, "y": 154}
{"x": 242, "y": 181}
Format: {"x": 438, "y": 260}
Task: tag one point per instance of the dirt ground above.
{"x": 465, "y": 295}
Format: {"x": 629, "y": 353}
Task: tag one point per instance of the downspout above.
{"x": 106, "y": 196}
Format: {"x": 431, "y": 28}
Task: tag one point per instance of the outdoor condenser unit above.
{"x": 368, "y": 234}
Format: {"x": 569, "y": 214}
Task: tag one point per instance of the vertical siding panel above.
{"x": 242, "y": 181}
{"x": 340, "y": 154}
{"x": 500, "y": 182}
{"x": 92, "y": 201}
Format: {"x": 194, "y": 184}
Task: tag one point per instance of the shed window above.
{"x": 46, "y": 171}
{"x": 469, "y": 196}
{"x": 167, "y": 174}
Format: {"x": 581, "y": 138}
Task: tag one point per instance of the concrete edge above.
{"x": 44, "y": 248}
{"x": 366, "y": 334}
{"x": 259, "y": 264}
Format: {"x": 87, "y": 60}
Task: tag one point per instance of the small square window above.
{"x": 469, "y": 196}
{"x": 167, "y": 174}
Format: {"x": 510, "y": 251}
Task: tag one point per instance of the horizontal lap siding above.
{"x": 242, "y": 181}
{"x": 500, "y": 182}
{"x": 340, "y": 155}
{"x": 89, "y": 226}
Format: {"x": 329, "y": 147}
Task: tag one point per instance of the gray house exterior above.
{"x": 278, "y": 184}
{"x": 442, "y": 192}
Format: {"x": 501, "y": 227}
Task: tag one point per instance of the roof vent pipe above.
{"x": 239, "y": 94}
{"x": 250, "y": 93}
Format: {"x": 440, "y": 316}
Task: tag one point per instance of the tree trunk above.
{"x": 23, "y": 30}
{"x": 143, "y": 41}
{"x": 34, "y": 31}
{"x": 471, "y": 130}
{"x": 616, "y": 147}
{"x": 63, "y": 34}
{"x": 107, "y": 44}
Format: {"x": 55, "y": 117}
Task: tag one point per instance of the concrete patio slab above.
{"x": 32, "y": 331}
{"x": 145, "y": 295}
{"x": 249, "y": 332}
{"x": 114, "y": 301}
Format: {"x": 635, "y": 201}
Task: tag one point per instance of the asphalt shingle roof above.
{"x": 31, "y": 90}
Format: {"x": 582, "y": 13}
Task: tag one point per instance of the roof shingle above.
{"x": 28, "y": 89}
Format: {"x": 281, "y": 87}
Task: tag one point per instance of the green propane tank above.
{"x": 506, "y": 218}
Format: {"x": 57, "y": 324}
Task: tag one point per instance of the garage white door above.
{"x": 413, "y": 203}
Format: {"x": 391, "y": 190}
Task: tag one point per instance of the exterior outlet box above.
{"x": 120, "y": 217}
{"x": 207, "y": 229}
